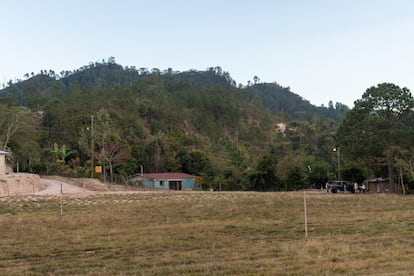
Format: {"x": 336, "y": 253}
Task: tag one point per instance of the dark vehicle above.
{"x": 340, "y": 186}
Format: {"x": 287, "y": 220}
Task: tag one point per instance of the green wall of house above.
{"x": 173, "y": 184}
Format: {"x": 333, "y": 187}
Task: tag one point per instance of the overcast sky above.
{"x": 323, "y": 50}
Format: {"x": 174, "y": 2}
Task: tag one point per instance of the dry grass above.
{"x": 208, "y": 234}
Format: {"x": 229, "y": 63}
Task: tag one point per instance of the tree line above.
{"x": 220, "y": 132}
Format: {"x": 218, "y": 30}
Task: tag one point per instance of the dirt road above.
{"x": 55, "y": 187}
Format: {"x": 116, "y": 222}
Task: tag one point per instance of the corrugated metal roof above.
{"x": 3, "y": 152}
{"x": 177, "y": 175}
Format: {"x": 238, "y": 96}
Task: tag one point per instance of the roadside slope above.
{"x": 20, "y": 183}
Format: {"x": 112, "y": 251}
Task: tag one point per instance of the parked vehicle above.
{"x": 341, "y": 186}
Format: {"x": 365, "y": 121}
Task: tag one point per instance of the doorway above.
{"x": 175, "y": 185}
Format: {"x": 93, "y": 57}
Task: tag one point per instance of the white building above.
{"x": 2, "y": 162}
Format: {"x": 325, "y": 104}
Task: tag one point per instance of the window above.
{"x": 161, "y": 182}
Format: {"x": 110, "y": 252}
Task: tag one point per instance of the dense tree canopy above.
{"x": 262, "y": 137}
{"x": 377, "y": 129}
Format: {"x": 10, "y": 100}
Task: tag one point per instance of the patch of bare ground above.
{"x": 96, "y": 185}
{"x": 90, "y": 184}
{"x": 20, "y": 183}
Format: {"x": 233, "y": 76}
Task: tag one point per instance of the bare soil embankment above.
{"x": 92, "y": 184}
{"x": 33, "y": 184}
{"x": 20, "y": 183}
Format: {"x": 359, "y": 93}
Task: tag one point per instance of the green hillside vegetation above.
{"x": 281, "y": 99}
{"x": 255, "y": 137}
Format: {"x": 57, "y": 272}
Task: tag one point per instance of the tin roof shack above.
{"x": 378, "y": 185}
{"x": 167, "y": 181}
{"x": 2, "y": 162}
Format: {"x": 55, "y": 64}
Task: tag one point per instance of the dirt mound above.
{"x": 20, "y": 183}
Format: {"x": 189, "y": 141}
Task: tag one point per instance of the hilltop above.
{"x": 111, "y": 74}
{"x": 199, "y": 122}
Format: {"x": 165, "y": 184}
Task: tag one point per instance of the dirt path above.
{"x": 32, "y": 184}
{"x": 55, "y": 187}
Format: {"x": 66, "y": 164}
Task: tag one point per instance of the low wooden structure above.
{"x": 378, "y": 185}
{"x": 383, "y": 185}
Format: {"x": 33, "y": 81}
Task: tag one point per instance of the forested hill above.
{"x": 110, "y": 74}
{"x": 260, "y": 136}
{"x": 282, "y": 100}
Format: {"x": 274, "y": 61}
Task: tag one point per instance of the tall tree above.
{"x": 109, "y": 147}
{"x": 12, "y": 120}
{"x": 376, "y": 127}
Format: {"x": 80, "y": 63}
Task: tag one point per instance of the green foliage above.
{"x": 60, "y": 154}
{"x": 264, "y": 178}
{"x": 194, "y": 162}
{"x": 295, "y": 179}
{"x": 282, "y": 100}
{"x": 376, "y": 130}
{"x": 353, "y": 174}
{"x": 197, "y": 122}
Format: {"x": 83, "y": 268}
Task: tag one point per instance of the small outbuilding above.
{"x": 3, "y": 162}
{"x": 378, "y": 185}
{"x": 383, "y": 185}
{"x": 167, "y": 181}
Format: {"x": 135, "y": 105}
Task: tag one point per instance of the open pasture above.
{"x": 207, "y": 233}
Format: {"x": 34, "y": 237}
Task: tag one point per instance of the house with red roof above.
{"x": 167, "y": 181}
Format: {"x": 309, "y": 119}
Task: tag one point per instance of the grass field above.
{"x": 208, "y": 233}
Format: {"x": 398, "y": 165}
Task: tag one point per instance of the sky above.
{"x": 324, "y": 50}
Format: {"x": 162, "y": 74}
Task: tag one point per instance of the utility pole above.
{"x": 339, "y": 165}
{"x": 339, "y": 161}
{"x": 92, "y": 148}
